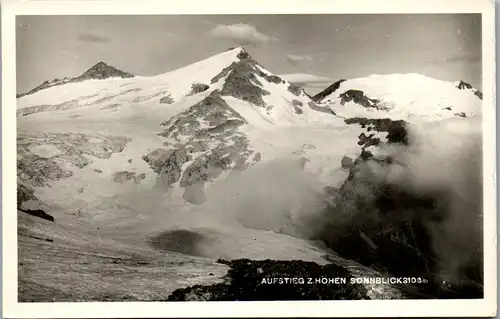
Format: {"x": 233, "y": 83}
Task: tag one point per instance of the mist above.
{"x": 434, "y": 183}
{"x": 444, "y": 161}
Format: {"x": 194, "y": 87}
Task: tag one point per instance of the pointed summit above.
{"x": 242, "y": 78}
{"x": 102, "y": 70}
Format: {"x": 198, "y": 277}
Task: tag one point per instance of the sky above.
{"x": 329, "y": 47}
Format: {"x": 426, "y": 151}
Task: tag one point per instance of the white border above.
{"x": 412, "y": 308}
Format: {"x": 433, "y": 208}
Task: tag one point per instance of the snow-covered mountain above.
{"x": 221, "y": 147}
{"x": 99, "y": 71}
{"x": 403, "y": 96}
{"x": 189, "y": 125}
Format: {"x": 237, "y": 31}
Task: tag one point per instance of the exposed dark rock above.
{"x": 358, "y": 97}
{"x": 479, "y": 94}
{"x": 242, "y": 84}
{"x": 243, "y": 55}
{"x": 273, "y": 79}
{"x": 347, "y": 162}
{"x": 241, "y": 80}
{"x": 295, "y": 89}
{"x": 168, "y": 163}
{"x": 298, "y": 110}
{"x": 461, "y": 114}
{"x": 167, "y": 99}
{"x": 102, "y": 71}
{"x": 198, "y": 88}
{"x": 250, "y": 280}
{"x": 368, "y": 141}
{"x": 464, "y": 85}
{"x": 257, "y": 157}
{"x": 38, "y": 171}
{"x": 230, "y": 153}
{"x": 212, "y": 109}
{"x": 38, "y": 213}
{"x": 329, "y": 90}
{"x": 297, "y": 106}
{"x": 365, "y": 155}
{"x": 210, "y": 122}
{"x": 447, "y": 108}
{"x": 396, "y": 129}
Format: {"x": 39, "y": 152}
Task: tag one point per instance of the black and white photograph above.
{"x": 229, "y": 157}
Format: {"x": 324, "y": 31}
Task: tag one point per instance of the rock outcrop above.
{"x": 347, "y": 162}
{"x": 385, "y": 227}
{"x": 329, "y": 90}
{"x": 102, "y": 71}
{"x": 38, "y": 213}
{"x": 241, "y": 81}
{"x": 198, "y": 88}
{"x": 46, "y": 157}
{"x": 464, "y": 85}
{"x": 206, "y": 136}
{"x": 268, "y": 280}
{"x": 395, "y": 129}
{"x": 358, "y": 97}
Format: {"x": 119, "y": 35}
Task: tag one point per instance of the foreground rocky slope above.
{"x": 70, "y": 263}
{"x": 63, "y": 263}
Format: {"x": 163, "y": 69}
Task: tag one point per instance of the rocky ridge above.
{"x": 97, "y": 72}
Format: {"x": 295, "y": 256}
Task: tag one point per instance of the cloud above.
{"x": 456, "y": 59}
{"x": 295, "y": 59}
{"x": 303, "y": 78}
{"x": 92, "y": 37}
{"x": 242, "y": 33}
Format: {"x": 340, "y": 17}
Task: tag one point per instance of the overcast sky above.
{"x": 446, "y": 47}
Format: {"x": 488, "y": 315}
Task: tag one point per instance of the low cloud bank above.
{"x": 425, "y": 200}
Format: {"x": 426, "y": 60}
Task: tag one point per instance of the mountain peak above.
{"x": 242, "y": 78}
{"x": 101, "y": 70}
{"x": 100, "y": 64}
{"x": 239, "y": 48}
